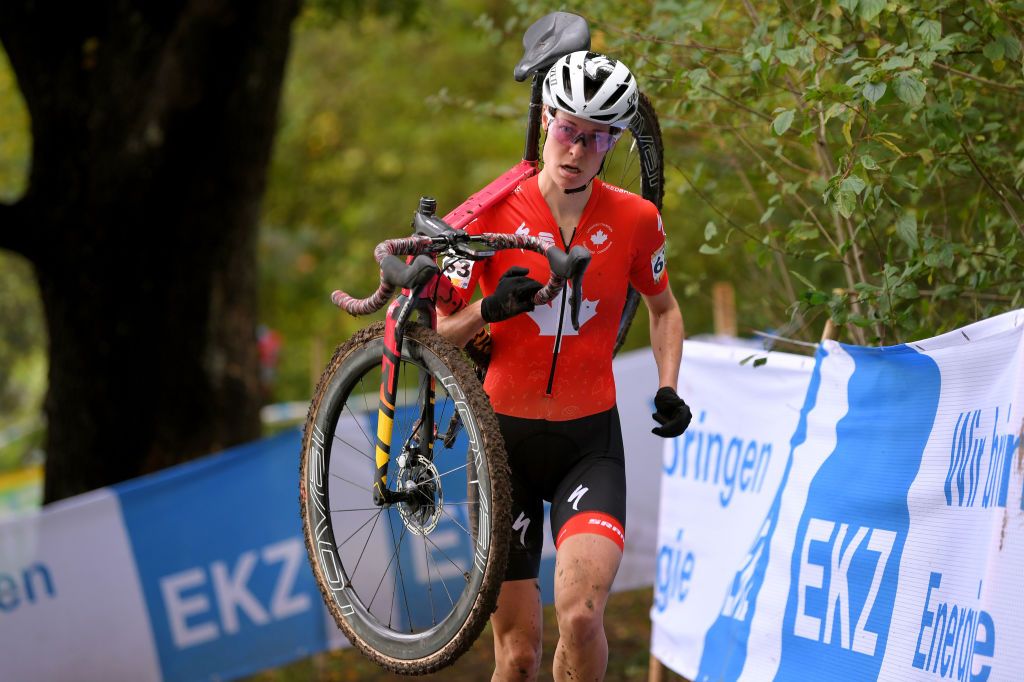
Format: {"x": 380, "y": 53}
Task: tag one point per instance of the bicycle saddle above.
{"x": 549, "y": 38}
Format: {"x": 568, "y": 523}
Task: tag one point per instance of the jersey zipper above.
{"x": 561, "y": 320}
{"x": 558, "y": 346}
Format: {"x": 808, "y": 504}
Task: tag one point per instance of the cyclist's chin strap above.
{"x": 577, "y": 190}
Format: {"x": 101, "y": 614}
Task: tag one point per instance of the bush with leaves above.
{"x": 853, "y": 159}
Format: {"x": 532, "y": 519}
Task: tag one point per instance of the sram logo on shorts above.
{"x": 458, "y": 270}
{"x": 658, "y": 263}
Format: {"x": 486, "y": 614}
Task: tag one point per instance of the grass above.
{"x": 627, "y": 624}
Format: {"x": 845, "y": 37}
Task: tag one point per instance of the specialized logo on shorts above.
{"x": 577, "y": 495}
{"x": 658, "y": 263}
{"x": 457, "y": 270}
{"x": 598, "y": 238}
{"x": 521, "y": 524}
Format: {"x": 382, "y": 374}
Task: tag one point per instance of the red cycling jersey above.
{"x": 542, "y": 368}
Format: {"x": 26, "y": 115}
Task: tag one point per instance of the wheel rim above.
{"x": 405, "y": 577}
{"x": 634, "y": 163}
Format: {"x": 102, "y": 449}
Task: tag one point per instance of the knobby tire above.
{"x": 440, "y": 645}
{"x": 650, "y": 158}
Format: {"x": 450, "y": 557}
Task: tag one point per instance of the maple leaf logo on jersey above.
{"x": 599, "y": 238}
{"x": 546, "y": 316}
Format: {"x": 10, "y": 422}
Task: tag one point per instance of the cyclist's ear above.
{"x": 547, "y": 116}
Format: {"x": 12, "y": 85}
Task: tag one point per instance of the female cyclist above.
{"x": 551, "y": 385}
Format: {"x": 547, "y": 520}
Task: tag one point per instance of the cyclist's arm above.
{"x": 667, "y": 333}
{"x": 461, "y": 327}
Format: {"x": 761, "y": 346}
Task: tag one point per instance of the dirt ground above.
{"x": 627, "y": 624}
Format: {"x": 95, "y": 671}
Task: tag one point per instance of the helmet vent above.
{"x": 618, "y": 94}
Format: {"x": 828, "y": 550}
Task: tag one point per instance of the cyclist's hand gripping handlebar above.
{"x": 564, "y": 266}
{"x": 434, "y": 236}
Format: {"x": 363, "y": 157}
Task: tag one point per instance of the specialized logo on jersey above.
{"x": 658, "y": 263}
{"x": 546, "y": 316}
{"x": 661, "y": 226}
{"x": 598, "y": 238}
{"x": 521, "y": 524}
{"x": 546, "y": 237}
{"x": 458, "y": 270}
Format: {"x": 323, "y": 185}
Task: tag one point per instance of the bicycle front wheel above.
{"x": 637, "y": 164}
{"x": 412, "y": 583}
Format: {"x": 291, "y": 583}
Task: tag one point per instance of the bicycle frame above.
{"x": 438, "y": 292}
{"x": 503, "y": 185}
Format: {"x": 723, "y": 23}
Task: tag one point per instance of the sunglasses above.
{"x": 568, "y": 134}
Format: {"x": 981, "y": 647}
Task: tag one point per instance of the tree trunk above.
{"x": 152, "y": 127}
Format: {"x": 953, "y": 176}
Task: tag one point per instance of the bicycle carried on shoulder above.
{"x": 404, "y": 487}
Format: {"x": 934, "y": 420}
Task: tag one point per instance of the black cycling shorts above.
{"x": 578, "y": 466}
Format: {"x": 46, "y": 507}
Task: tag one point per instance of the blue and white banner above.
{"x": 199, "y": 572}
{"x": 192, "y": 573}
{"x": 889, "y": 546}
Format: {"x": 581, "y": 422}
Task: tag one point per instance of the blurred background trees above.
{"x": 859, "y": 160}
{"x": 151, "y": 129}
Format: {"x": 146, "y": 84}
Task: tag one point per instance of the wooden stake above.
{"x": 830, "y": 331}
{"x": 723, "y": 308}
{"x": 655, "y": 670}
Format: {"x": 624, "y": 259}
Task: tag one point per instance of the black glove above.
{"x": 673, "y": 414}
{"x": 513, "y": 295}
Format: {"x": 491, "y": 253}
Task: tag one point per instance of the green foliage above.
{"x": 325, "y": 12}
{"x": 858, "y": 159}
{"x": 15, "y": 138}
{"x": 22, "y": 360}
{"x": 377, "y": 111}
{"x": 22, "y": 332}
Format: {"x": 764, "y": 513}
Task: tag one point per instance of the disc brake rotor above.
{"x": 421, "y": 513}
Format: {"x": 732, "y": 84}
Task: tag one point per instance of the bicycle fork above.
{"x": 423, "y": 432}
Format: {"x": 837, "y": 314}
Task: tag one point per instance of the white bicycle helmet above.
{"x": 592, "y": 87}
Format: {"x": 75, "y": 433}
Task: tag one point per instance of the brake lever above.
{"x": 576, "y": 279}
